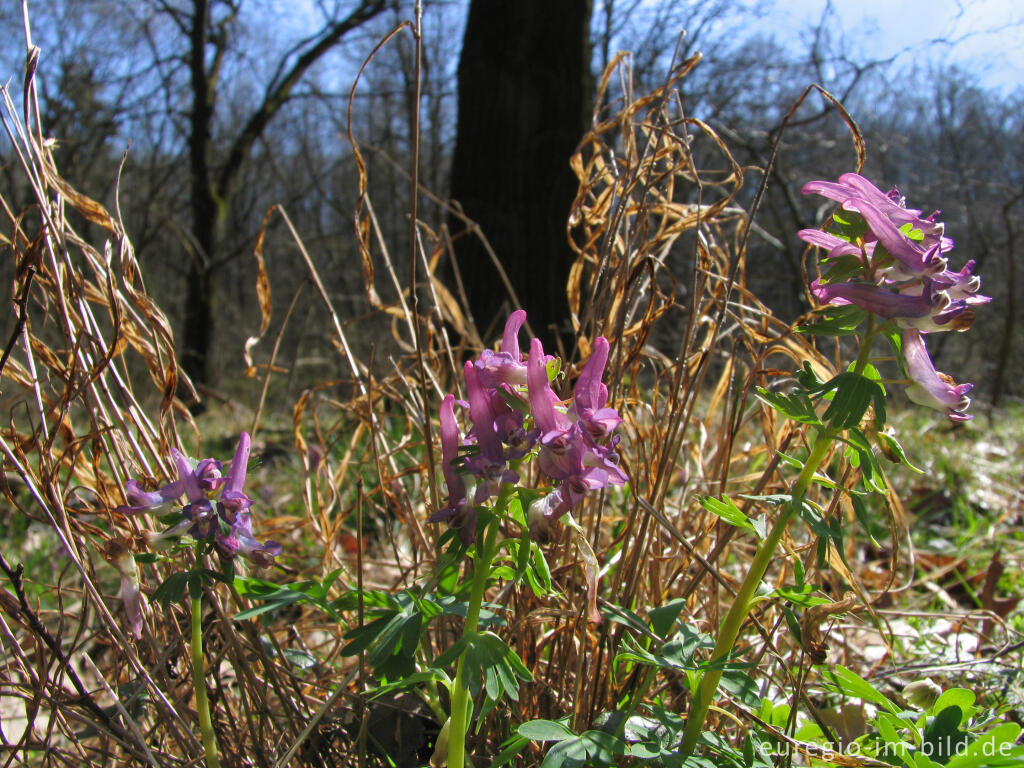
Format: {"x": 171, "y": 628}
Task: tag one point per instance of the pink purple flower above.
{"x": 570, "y": 449}
{"x": 930, "y": 387}
{"x": 904, "y": 278}
{"x": 513, "y": 411}
{"x": 457, "y": 513}
{"x": 225, "y": 518}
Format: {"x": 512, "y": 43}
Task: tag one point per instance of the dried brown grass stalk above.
{"x": 89, "y": 386}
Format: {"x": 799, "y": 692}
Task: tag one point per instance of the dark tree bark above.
{"x": 524, "y": 102}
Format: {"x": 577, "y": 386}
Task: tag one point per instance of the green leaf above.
{"x": 452, "y": 653}
{"x": 912, "y": 233}
{"x": 801, "y": 596}
{"x": 570, "y": 753}
{"x": 257, "y": 610}
{"x": 848, "y": 225}
{"x": 663, "y": 618}
{"x": 172, "y": 590}
{"x": 503, "y": 572}
{"x": 852, "y": 395}
{"x": 942, "y": 737}
{"x": 545, "y": 730}
{"x": 494, "y": 665}
{"x": 210, "y": 576}
{"x": 835, "y": 321}
{"x": 992, "y": 749}
{"x": 841, "y": 269}
{"x": 677, "y": 653}
{"x": 797, "y": 406}
{"x": 741, "y": 687}
{"x": 399, "y": 636}
{"x": 520, "y": 551}
{"x": 410, "y": 682}
{"x": 864, "y": 457}
{"x": 893, "y": 451}
{"x": 860, "y": 510}
{"x": 510, "y": 748}
{"x": 361, "y": 638}
{"x": 728, "y": 511}
{"x": 851, "y": 684}
{"x": 895, "y": 746}
{"x": 771, "y": 499}
{"x": 602, "y": 747}
{"x": 195, "y": 584}
{"x": 252, "y": 587}
{"x": 645, "y": 750}
{"x": 539, "y": 574}
{"x": 959, "y": 697}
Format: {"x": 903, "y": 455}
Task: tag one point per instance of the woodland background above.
{"x": 192, "y": 118}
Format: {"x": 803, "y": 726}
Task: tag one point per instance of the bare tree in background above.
{"x": 207, "y": 25}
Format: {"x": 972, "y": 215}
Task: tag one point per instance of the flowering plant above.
{"x": 513, "y": 411}
{"x": 215, "y": 518}
{"x": 515, "y": 416}
{"x": 885, "y": 260}
{"x": 885, "y": 274}
{"x": 225, "y": 520}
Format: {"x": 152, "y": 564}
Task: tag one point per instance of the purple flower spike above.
{"x": 233, "y": 500}
{"x": 226, "y": 519}
{"x": 208, "y": 475}
{"x": 553, "y": 424}
{"x": 852, "y": 186}
{"x": 458, "y": 514}
{"x": 885, "y": 215}
{"x": 240, "y": 541}
{"x": 239, "y": 465}
{"x": 591, "y": 395}
{"x": 915, "y": 259}
{"x": 930, "y": 387}
{"x": 450, "y": 451}
{"x": 570, "y": 452}
{"x": 873, "y": 298}
{"x": 489, "y": 465}
{"x": 510, "y": 339}
{"x": 963, "y": 284}
{"x": 233, "y": 509}
{"x": 836, "y": 245}
{"x": 506, "y": 366}
{"x": 146, "y": 501}
{"x": 192, "y": 487}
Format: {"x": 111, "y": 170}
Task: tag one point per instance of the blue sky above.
{"x": 985, "y": 36}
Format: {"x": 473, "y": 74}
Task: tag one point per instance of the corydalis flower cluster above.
{"x": 888, "y": 260}
{"x": 217, "y": 506}
{"x": 514, "y": 411}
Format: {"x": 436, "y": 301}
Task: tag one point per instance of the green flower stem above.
{"x": 730, "y": 630}
{"x": 737, "y": 614}
{"x": 432, "y": 700}
{"x": 199, "y": 682}
{"x": 868, "y": 340}
{"x": 459, "y": 718}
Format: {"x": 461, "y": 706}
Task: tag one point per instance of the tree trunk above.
{"x": 198, "y": 327}
{"x": 524, "y": 101}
